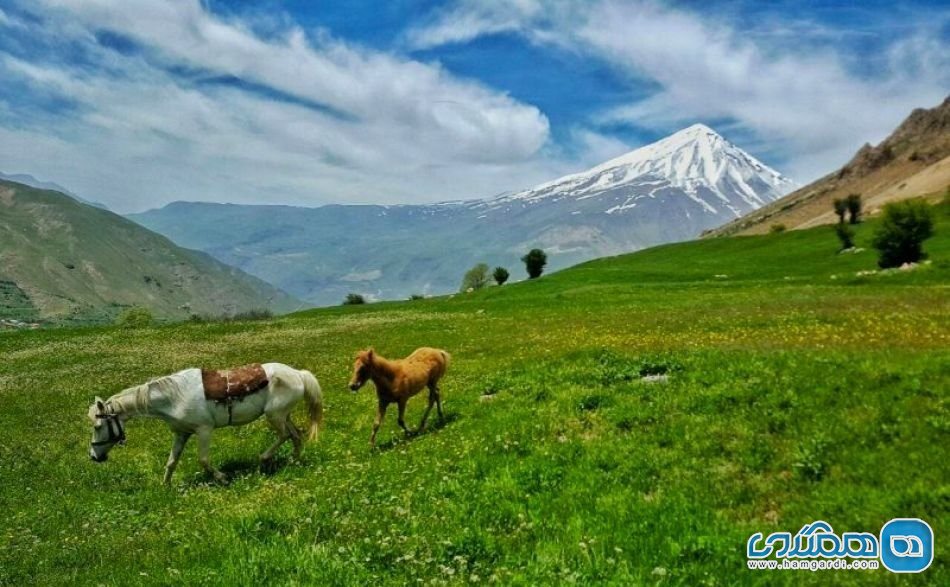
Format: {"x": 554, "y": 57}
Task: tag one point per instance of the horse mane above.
{"x": 166, "y": 385}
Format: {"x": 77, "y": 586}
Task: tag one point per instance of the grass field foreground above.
{"x": 795, "y": 389}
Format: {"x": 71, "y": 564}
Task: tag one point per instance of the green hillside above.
{"x": 66, "y": 261}
{"x": 795, "y": 391}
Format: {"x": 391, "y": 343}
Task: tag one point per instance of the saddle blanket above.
{"x": 221, "y": 385}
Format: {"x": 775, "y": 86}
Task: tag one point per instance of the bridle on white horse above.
{"x": 114, "y": 428}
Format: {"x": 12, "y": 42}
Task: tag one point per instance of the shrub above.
{"x": 903, "y": 229}
{"x": 414, "y": 297}
{"x": 135, "y": 317}
{"x": 845, "y": 234}
{"x": 500, "y": 275}
{"x": 777, "y": 228}
{"x": 841, "y": 208}
{"x": 475, "y": 278}
{"x": 853, "y": 202}
{"x": 253, "y": 314}
{"x": 354, "y": 299}
{"x": 534, "y": 263}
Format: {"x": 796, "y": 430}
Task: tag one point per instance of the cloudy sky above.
{"x": 137, "y": 103}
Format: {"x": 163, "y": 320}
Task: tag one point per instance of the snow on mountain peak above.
{"x": 696, "y": 159}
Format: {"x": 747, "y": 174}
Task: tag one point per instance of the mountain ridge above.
{"x": 667, "y": 191}
{"x": 65, "y": 261}
{"x": 914, "y": 160}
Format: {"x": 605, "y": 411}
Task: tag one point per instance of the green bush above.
{"x": 534, "y": 262}
{"x": 841, "y": 208}
{"x": 777, "y": 228}
{"x": 415, "y": 297}
{"x": 845, "y": 234}
{"x": 500, "y": 275}
{"x": 903, "y": 229}
{"x": 354, "y": 299}
{"x": 475, "y": 278}
{"x": 853, "y": 203}
{"x": 135, "y": 317}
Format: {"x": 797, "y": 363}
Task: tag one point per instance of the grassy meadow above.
{"x": 795, "y": 390}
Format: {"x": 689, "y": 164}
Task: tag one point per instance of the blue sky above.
{"x": 137, "y": 103}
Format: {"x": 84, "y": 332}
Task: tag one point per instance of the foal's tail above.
{"x": 314, "y": 403}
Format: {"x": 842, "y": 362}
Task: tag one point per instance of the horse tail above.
{"x": 314, "y": 397}
{"x": 447, "y": 358}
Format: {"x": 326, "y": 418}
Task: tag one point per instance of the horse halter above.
{"x": 114, "y": 428}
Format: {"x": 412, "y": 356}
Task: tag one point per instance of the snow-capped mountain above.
{"x": 668, "y": 191}
{"x": 707, "y": 168}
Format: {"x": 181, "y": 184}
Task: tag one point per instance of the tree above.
{"x": 475, "y": 278}
{"x": 853, "y": 202}
{"x": 135, "y": 317}
{"x": 500, "y": 275}
{"x": 354, "y": 299}
{"x": 841, "y": 208}
{"x": 903, "y": 229}
{"x": 534, "y": 263}
{"x": 845, "y": 234}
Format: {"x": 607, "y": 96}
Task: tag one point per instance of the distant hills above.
{"x": 668, "y": 191}
{"x": 33, "y": 182}
{"x": 62, "y": 260}
{"x": 913, "y": 161}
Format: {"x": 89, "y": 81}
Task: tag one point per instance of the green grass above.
{"x": 787, "y": 401}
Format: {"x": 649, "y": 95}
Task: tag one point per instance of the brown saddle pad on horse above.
{"x": 233, "y": 383}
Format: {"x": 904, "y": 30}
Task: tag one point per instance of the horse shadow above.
{"x": 241, "y": 468}
{"x": 434, "y": 425}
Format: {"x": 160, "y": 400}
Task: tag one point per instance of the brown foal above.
{"x": 398, "y": 380}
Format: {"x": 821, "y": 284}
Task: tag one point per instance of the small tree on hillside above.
{"x": 903, "y": 229}
{"x": 845, "y": 234}
{"x": 841, "y": 208}
{"x": 475, "y": 278}
{"x": 354, "y": 299}
{"x": 135, "y": 317}
{"x": 534, "y": 263}
{"x": 500, "y": 275}
{"x": 853, "y": 202}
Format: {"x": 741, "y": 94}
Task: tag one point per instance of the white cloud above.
{"x": 361, "y": 125}
{"x": 469, "y": 20}
{"x": 798, "y": 97}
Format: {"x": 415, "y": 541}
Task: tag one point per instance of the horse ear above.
{"x": 100, "y": 405}
{"x": 370, "y": 355}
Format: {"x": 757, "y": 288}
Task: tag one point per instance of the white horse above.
{"x": 179, "y": 400}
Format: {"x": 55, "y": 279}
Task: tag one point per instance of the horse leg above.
{"x": 279, "y": 424}
{"x": 438, "y": 400}
{"x": 181, "y": 438}
{"x": 402, "y": 414}
{"x": 380, "y": 413}
{"x": 425, "y": 415}
{"x": 295, "y": 436}
{"x": 204, "y": 455}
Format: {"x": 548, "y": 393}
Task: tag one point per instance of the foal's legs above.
{"x": 204, "y": 455}
{"x": 438, "y": 401}
{"x": 435, "y": 398}
{"x": 402, "y": 414}
{"x": 380, "y": 413}
{"x": 177, "y": 447}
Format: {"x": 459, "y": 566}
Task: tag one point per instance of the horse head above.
{"x": 362, "y": 369}
{"x": 107, "y": 431}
